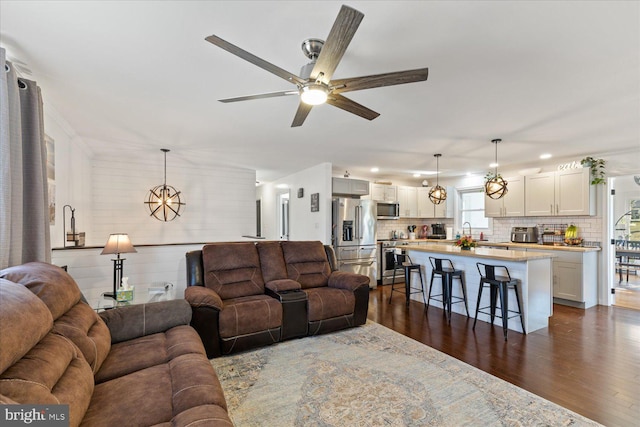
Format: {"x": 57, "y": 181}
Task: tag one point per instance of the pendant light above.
{"x": 437, "y": 194}
{"x": 496, "y": 186}
{"x": 164, "y": 201}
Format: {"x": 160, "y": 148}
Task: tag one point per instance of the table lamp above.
{"x": 118, "y": 243}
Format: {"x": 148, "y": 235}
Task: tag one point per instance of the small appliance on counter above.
{"x": 524, "y": 234}
{"x": 438, "y": 231}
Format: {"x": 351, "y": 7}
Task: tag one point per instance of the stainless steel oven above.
{"x": 387, "y": 263}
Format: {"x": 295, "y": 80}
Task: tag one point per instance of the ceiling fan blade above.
{"x": 340, "y": 36}
{"x": 254, "y": 59}
{"x": 260, "y": 96}
{"x": 346, "y": 104}
{"x": 301, "y": 114}
{"x": 379, "y": 80}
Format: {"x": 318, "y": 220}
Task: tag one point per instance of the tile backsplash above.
{"x": 386, "y": 227}
{"x": 589, "y": 227}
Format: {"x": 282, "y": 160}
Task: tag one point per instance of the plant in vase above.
{"x": 466, "y": 243}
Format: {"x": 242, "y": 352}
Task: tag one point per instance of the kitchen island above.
{"x": 534, "y": 269}
{"x": 575, "y": 271}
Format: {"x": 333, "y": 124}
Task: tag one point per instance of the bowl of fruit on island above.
{"x": 571, "y": 236}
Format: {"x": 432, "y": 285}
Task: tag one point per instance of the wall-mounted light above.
{"x": 437, "y": 194}
{"x": 496, "y": 186}
{"x": 164, "y": 201}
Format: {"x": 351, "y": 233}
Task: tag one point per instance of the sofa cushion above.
{"x": 247, "y": 315}
{"x": 325, "y": 303}
{"x": 20, "y": 307}
{"x": 232, "y": 269}
{"x": 52, "y": 372}
{"x": 151, "y": 350}
{"x": 272, "y": 261}
{"x": 54, "y": 286}
{"x": 72, "y": 317}
{"x": 306, "y": 263}
{"x": 157, "y": 394}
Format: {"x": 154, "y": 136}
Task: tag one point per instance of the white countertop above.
{"x": 541, "y": 247}
{"x": 478, "y": 252}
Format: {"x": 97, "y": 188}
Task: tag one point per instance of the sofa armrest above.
{"x": 283, "y": 285}
{"x": 199, "y": 296}
{"x": 348, "y": 281}
{"x": 134, "y": 321}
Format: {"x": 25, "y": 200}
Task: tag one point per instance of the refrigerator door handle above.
{"x": 358, "y": 236}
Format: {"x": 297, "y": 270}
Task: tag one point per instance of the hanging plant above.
{"x": 597, "y": 167}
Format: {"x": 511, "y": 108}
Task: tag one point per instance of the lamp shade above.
{"x": 118, "y": 243}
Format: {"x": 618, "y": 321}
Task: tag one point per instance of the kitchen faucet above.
{"x": 466, "y": 222}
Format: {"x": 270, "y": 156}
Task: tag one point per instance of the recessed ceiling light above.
{"x": 494, "y": 165}
{"x": 375, "y": 169}
{"x": 545, "y": 156}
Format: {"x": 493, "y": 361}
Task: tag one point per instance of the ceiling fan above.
{"x": 314, "y": 84}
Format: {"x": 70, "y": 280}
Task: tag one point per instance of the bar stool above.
{"x": 404, "y": 263}
{"x": 444, "y": 268}
{"x": 499, "y": 286}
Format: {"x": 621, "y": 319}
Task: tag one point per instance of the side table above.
{"x": 141, "y": 294}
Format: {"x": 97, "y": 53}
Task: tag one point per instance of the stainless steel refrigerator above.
{"x": 354, "y": 237}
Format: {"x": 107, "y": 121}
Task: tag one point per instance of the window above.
{"x": 472, "y": 208}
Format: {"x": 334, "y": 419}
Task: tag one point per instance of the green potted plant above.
{"x": 597, "y": 167}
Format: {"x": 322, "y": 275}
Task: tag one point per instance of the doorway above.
{"x": 283, "y": 215}
{"x": 626, "y": 235}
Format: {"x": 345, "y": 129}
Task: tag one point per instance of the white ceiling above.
{"x": 547, "y": 77}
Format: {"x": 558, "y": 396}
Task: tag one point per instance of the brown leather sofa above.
{"x": 138, "y": 365}
{"x": 246, "y": 295}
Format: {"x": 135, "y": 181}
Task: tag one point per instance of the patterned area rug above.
{"x": 373, "y": 376}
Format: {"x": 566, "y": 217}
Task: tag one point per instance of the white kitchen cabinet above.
{"x": 575, "y": 277}
{"x": 384, "y": 192}
{"x": 427, "y": 209}
{"x": 512, "y": 204}
{"x": 567, "y": 192}
{"x": 408, "y": 200}
{"x": 350, "y": 187}
{"x": 574, "y": 193}
{"x": 425, "y": 206}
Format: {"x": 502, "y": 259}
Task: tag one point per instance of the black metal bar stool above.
{"x": 499, "y": 286}
{"x": 404, "y": 263}
{"x": 444, "y": 268}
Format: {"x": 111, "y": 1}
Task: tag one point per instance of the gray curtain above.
{"x": 24, "y": 213}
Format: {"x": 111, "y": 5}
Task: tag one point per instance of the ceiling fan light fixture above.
{"x": 314, "y": 94}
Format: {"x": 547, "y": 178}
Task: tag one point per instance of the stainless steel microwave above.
{"x": 388, "y": 210}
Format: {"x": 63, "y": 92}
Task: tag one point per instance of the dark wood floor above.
{"x": 586, "y": 360}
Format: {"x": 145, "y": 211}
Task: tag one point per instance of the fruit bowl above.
{"x": 573, "y": 241}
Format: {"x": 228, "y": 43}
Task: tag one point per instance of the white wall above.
{"x": 220, "y": 201}
{"x": 304, "y": 224}
{"x": 73, "y": 175}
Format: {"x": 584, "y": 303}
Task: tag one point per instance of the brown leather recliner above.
{"x": 231, "y": 311}
{"x": 297, "y": 278}
{"x": 336, "y": 299}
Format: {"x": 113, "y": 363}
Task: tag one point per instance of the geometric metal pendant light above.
{"x": 437, "y": 194}
{"x": 496, "y": 186}
{"x": 164, "y": 201}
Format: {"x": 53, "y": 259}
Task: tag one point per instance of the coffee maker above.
{"x": 438, "y": 231}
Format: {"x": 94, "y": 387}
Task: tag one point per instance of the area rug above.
{"x": 373, "y": 376}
